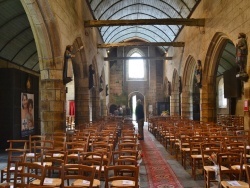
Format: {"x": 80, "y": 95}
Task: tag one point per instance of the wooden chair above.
{"x": 73, "y": 149}
{"x": 124, "y": 180}
{"x": 28, "y": 173}
{"x": 39, "y": 148}
{"x": 93, "y": 159}
{"x": 195, "y": 154}
{"x": 228, "y": 174}
{"x": 46, "y": 180}
{"x": 207, "y": 150}
{"x": 14, "y": 155}
{"x": 17, "y": 148}
{"x": 79, "y": 175}
{"x": 184, "y": 148}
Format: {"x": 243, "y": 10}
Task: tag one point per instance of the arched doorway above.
{"x": 132, "y": 98}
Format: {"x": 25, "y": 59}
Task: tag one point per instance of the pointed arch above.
{"x": 187, "y": 88}
{"x": 209, "y": 77}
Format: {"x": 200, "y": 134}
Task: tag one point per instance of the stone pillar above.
{"x": 247, "y": 97}
{"x": 174, "y": 103}
{"x": 82, "y": 102}
{"x": 52, "y": 110}
{"x": 186, "y": 106}
{"x": 95, "y": 104}
{"x": 208, "y": 102}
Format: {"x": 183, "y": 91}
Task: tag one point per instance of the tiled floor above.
{"x": 184, "y": 176}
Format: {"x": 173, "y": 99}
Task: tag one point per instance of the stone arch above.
{"x": 187, "y": 87}
{"x": 208, "y": 91}
{"x": 175, "y": 98}
{"x": 48, "y": 43}
{"x": 134, "y": 50}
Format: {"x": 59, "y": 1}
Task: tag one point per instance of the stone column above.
{"x": 186, "y": 106}
{"x": 82, "y": 102}
{"x": 52, "y": 110}
{"x": 95, "y": 104}
{"x": 174, "y": 103}
{"x": 208, "y": 102}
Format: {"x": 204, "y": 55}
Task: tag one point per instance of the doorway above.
{"x": 132, "y": 100}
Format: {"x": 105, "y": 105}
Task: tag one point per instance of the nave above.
{"x": 157, "y": 169}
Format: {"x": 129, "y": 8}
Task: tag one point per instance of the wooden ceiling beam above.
{"x": 122, "y": 44}
{"x": 134, "y": 58}
{"x": 168, "y": 21}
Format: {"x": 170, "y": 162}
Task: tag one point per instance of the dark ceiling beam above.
{"x": 136, "y": 58}
{"x": 122, "y": 44}
{"x": 169, "y": 21}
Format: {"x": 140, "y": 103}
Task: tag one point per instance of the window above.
{"x": 136, "y": 68}
{"x": 222, "y": 100}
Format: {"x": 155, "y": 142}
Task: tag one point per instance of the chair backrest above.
{"x": 27, "y": 173}
{"x": 92, "y": 159}
{"x": 128, "y": 146}
{"x": 33, "y": 138}
{"x": 56, "y": 158}
{"x": 124, "y": 154}
{"x": 38, "y": 147}
{"x": 14, "y": 155}
{"x": 116, "y": 176}
{"x": 228, "y": 160}
{"x": 209, "y": 151}
{"x": 18, "y": 144}
{"x": 79, "y": 175}
{"x": 247, "y": 167}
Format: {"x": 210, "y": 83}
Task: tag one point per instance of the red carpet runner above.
{"x": 159, "y": 171}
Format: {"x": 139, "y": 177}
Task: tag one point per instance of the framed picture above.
{"x": 27, "y": 114}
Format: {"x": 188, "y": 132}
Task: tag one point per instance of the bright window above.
{"x": 222, "y": 100}
{"x": 136, "y": 68}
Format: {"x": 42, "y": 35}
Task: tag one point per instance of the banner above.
{"x": 27, "y": 114}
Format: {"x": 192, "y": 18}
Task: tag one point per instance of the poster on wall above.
{"x": 27, "y": 114}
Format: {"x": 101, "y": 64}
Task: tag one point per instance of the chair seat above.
{"x": 197, "y": 156}
{"x": 122, "y": 183}
{"x": 6, "y": 185}
{"x": 49, "y": 181}
{"x": 80, "y": 182}
{"x": 185, "y": 149}
{"x": 231, "y": 184}
{"x": 44, "y": 163}
{"x": 212, "y": 168}
{"x": 11, "y": 168}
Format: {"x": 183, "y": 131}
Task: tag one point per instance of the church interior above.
{"x": 69, "y": 66}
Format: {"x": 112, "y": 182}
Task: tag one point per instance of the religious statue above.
{"x": 91, "y": 76}
{"x": 107, "y": 88}
{"x": 68, "y": 67}
{"x": 198, "y": 74}
{"x": 241, "y": 56}
{"x": 101, "y": 84}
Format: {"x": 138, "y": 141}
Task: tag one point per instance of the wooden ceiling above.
{"x": 133, "y": 10}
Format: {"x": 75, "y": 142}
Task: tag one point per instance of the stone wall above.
{"x": 226, "y": 17}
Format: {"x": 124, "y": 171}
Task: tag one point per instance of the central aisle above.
{"x": 159, "y": 169}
